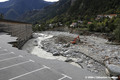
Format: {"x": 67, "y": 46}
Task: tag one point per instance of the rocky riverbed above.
{"x": 90, "y": 53}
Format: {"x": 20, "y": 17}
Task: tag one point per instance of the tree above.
{"x": 105, "y": 22}
{"x": 1, "y": 16}
{"x": 117, "y": 33}
{"x": 86, "y": 17}
{"x": 91, "y": 27}
{"x": 85, "y": 22}
{"x": 117, "y": 21}
{"x": 111, "y": 26}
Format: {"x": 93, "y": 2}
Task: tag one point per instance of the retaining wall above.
{"x": 21, "y": 30}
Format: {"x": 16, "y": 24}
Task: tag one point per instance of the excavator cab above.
{"x": 76, "y": 40}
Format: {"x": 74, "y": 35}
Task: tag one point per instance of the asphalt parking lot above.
{"x": 17, "y": 67}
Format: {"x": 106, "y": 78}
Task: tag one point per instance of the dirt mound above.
{"x": 63, "y": 39}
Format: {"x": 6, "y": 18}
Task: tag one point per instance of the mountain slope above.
{"x": 75, "y": 9}
{"x": 20, "y": 7}
{"x": 92, "y": 7}
{"x": 48, "y": 12}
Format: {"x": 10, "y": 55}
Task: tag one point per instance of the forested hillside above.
{"x": 94, "y": 7}
{"x": 73, "y": 9}
{"x": 13, "y": 9}
{"x": 48, "y": 12}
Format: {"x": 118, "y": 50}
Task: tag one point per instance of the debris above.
{"x": 79, "y": 61}
{"x": 89, "y": 65}
{"x": 69, "y": 60}
{"x": 92, "y": 46}
{"x": 56, "y": 54}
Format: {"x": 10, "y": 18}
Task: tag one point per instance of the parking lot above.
{"x": 17, "y": 67}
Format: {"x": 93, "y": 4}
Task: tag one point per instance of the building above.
{"x": 51, "y": 25}
{"x": 79, "y": 21}
{"x": 21, "y": 30}
{"x": 109, "y": 16}
{"x": 74, "y": 25}
{"x": 89, "y": 23}
{"x": 99, "y": 17}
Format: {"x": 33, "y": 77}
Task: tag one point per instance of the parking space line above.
{"x": 6, "y": 54}
{"x": 44, "y": 67}
{"x": 15, "y": 65}
{"x": 10, "y": 58}
{"x": 64, "y": 76}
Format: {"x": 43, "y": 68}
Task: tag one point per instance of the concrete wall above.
{"x": 17, "y": 29}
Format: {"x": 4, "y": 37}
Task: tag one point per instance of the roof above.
{"x": 108, "y": 15}
{"x": 113, "y": 14}
{"x": 89, "y": 22}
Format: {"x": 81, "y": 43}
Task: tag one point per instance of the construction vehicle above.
{"x": 76, "y": 40}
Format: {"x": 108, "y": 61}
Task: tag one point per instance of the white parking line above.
{"x": 15, "y": 65}
{"x": 44, "y": 67}
{"x": 6, "y": 54}
{"x": 65, "y": 76}
{"x": 10, "y": 58}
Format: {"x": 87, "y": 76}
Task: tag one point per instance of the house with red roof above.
{"x": 110, "y": 16}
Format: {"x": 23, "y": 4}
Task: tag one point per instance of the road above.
{"x": 19, "y": 65}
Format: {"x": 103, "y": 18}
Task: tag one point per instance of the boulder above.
{"x": 56, "y": 54}
{"x": 35, "y": 43}
{"x": 66, "y": 45}
{"x": 113, "y": 69}
{"x": 69, "y": 60}
{"x": 89, "y": 65}
{"x": 79, "y": 61}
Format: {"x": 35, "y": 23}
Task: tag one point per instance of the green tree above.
{"x": 111, "y": 26}
{"x": 85, "y": 22}
{"x": 117, "y": 21}
{"x": 1, "y": 16}
{"x": 117, "y": 33}
{"x": 105, "y": 22}
{"x": 91, "y": 27}
{"x": 86, "y": 17}
{"x": 39, "y": 27}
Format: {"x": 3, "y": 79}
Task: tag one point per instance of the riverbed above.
{"x": 87, "y": 54}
